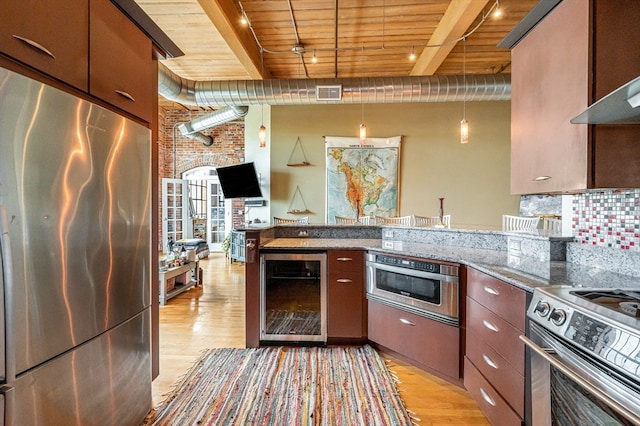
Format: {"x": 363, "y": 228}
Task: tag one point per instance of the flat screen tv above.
{"x": 239, "y": 181}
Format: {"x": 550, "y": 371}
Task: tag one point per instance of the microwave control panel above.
{"x": 410, "y": 264}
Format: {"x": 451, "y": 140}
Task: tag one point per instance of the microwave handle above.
{"x": 579, "y": 380}
{"x": 370, "y": 275}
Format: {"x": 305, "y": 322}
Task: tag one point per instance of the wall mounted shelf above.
{"x": 297, "y": 157}
{"x": 297, "y": 204}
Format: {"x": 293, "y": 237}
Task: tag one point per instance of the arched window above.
{"x": 207, "y": 206}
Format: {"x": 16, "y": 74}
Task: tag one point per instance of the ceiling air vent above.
{"x": 329, "y": 93}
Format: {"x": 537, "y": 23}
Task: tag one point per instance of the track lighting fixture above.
{"x": 497, "y": 12}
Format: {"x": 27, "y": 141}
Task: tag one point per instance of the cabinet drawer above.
{"x": 122, "y": 69}
{"x": 31, "y": 28}
{"x": 431, "y": 343}
{"x": 497, "y": 333}
{"x": 505, "y": 379}
{"x": 349, "y": 263}
{"x": 505, "y": 300}
{"x": 492, "y": 405}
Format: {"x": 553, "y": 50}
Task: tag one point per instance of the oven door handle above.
{"x": 579, "y": 380}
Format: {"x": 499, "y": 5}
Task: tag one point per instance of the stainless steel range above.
{"x": 585, "y": 356}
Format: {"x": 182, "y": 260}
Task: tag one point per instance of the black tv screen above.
{"x": 239, "y": 181}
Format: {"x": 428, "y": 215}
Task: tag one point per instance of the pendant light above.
{"x": 464, "y": 124}
{"x": 262, "y": 131}
{"x": 363, "y": 127}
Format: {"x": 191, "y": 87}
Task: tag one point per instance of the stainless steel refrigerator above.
{"x": 75, "y": 221}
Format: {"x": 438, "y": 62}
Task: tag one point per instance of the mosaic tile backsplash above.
{"x": 608, "y": 218}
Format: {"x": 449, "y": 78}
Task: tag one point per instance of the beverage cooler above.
{"x": 293, "y": 297}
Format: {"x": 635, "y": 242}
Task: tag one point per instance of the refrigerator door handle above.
{"x": 8, "y": 392}
{"x": 7, "y": 284}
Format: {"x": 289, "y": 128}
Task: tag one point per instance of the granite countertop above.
{"x": 492, "y": 262}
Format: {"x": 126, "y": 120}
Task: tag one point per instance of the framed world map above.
{"x": 362, "y": 180}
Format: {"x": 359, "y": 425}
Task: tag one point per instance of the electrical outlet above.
{"x": 387, "y": 244}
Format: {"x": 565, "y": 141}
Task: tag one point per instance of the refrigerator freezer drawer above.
{"x": 106, "y": 381}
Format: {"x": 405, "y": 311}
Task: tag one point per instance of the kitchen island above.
{"x": 498, "y": 275}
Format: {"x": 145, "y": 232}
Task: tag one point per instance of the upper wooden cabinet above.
{"x": 50, "y": 36}
{"x": 579, "y": 52}
{"x": 89, "y": 45}
{"x": 121, "y": 66}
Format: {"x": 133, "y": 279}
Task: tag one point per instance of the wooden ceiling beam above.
{"x": 224, "y": 15}
{"x": 456, "y": 21}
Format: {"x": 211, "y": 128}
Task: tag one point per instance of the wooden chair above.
{"x": 283, "y": 221}
{"x": 432, "y": 221}
{"x": 341, "y": 220}
{"x": 396, "y": 221}
{"x": 552, "y": 226}
{"x": 520, "y": 224}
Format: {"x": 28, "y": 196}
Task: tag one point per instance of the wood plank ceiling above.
{"x": 349, "y": 38}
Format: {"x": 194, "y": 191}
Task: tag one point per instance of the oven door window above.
{"x": 419, "y": 288}
{"x": 572, "y": 405}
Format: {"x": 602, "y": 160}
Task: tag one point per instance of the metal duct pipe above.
{"x": 206, "y": 140}
{"x": 193, "y": 128}
{"x": 438, "y": 88}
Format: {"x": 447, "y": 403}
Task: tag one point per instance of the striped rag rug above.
{"x": 285, "y": 386}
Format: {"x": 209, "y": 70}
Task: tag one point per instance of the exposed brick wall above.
{"x": 227, "y": 149}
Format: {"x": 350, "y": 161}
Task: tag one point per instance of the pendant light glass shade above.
{"x": 464, "y": 131}
{"x": 363, "y": 133}
{"x": 262, "y": 136}
{"x": 262, "y": 131}
{"x": 464, "y": 124}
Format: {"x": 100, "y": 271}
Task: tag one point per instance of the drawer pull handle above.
{"x": 344, "y": 259}
{"x": 37, "y": 45}
{"x": 344, "y": 280}
{"x": 490, "y": 326}
{"x": 492, "y": 291}
{"x": 489, "y": 361}
{"x": 487, "y": 398}
{"x": 407, "y": 322}
{"x": 125, "y": 95}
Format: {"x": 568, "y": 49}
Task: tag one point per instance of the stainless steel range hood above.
{"x": 622, "y": 106}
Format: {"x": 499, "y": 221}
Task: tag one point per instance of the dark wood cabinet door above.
{"x": 579, "y": 52}
{"x": 506, "y": 380}
{"x": 432, "y": 344}
{"x": 51, "y": 36}
{"x": 346, "y": 295}
{"x": 504, "y": 299}
{"x": 490, "y": 401}
{"x": 121, "y": 66}
{"x": 496, "y": 332}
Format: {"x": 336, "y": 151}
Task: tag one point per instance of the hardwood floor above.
{"x": 212, "y": 316}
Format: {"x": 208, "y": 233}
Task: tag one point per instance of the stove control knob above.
{"x": 558, "y": 316}
{"x": 542, "y": 308}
